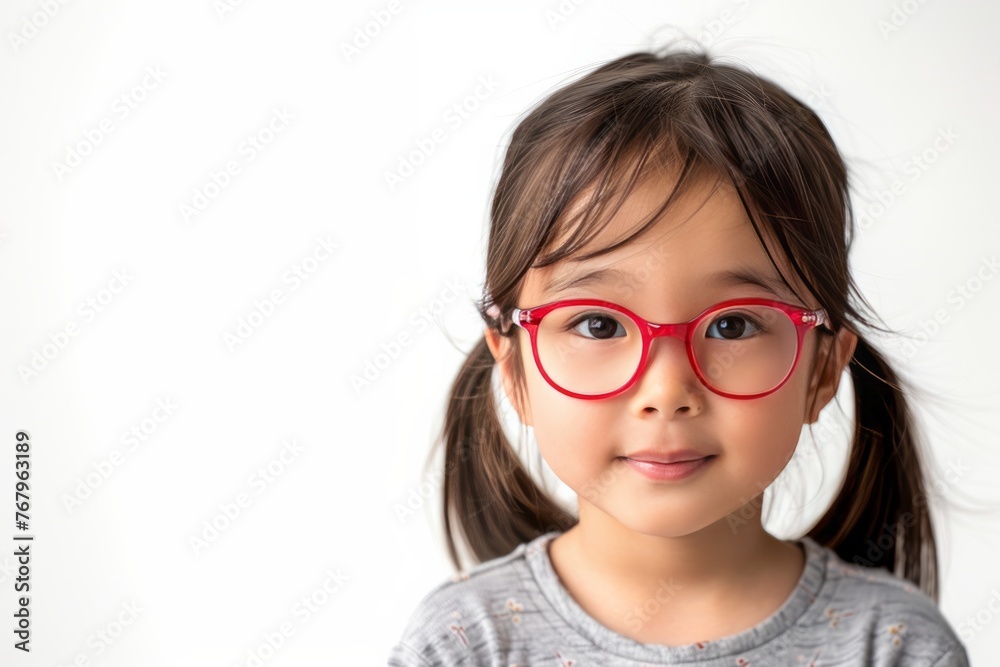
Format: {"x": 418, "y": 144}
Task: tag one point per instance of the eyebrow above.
{"x": 730, "y": 278}
{"x": 748, "y": 275}
{"x": 558, "y": 285}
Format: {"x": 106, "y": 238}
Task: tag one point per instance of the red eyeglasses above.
{"x": 740, "y": 348}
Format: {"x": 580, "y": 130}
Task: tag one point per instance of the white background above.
{"x": 402, "y": 252}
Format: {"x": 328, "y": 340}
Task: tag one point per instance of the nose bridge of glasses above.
{"x": 678, "y": 331}
{"x": 666, "y": 332}
{"x": 671, "y": 360}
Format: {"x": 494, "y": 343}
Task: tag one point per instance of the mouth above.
{"x": 675, "y": 470}
{"x": 666, "y": 457}
{"x": 686, "y": 459}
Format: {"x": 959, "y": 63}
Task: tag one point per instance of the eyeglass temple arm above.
{"x": 819, "y": 316}
{"x": 505, "y": 324}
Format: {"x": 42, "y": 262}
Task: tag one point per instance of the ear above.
{"x": 826, "y": 376}
{"x": 501, "y": 348}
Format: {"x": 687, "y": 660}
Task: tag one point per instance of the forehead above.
{"x": 699, "y": 250}
{"x": 646, "y": 200}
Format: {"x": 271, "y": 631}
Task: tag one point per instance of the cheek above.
{"x": 766, "y": 430}
{"x": 574, "y": 436}
{"x": 758, "y": 444}
{"x": 784, "y": 410}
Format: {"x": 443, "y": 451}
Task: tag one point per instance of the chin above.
{"x": 660, "y": 526}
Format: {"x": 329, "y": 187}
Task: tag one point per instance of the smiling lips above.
{"x": 676, "y": 456}
{"x": 667, "y": 466}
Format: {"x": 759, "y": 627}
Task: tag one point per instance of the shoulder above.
{"x": 453, "y": 620}
{"x": 897, "y": 619}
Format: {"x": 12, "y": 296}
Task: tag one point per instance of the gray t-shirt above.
{"x": 514, "y": 611}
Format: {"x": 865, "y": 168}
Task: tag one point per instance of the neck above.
{"x": 713, "y": 555}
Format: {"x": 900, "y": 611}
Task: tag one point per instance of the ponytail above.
{"x": 495, "y": 501}
{"x": 880, "y": 517}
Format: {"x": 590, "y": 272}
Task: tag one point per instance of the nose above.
{"x": 667, "y": 384}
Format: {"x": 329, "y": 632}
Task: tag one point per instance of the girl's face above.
{"x": 670, "y": 274}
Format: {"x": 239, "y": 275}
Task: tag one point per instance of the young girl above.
{"x": 668, "y": 303}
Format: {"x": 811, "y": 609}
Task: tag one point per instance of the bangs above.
{"x": 610, "y": 168}
{"x": 593, "y": 196}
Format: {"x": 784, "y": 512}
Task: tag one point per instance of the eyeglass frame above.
{"x": 804, "y": 320}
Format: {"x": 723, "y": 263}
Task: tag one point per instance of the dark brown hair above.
{"x": 600, "y": 135}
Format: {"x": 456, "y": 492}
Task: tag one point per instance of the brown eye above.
{"x": 732, "y": 327}
{"x": 598, "y": 326}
